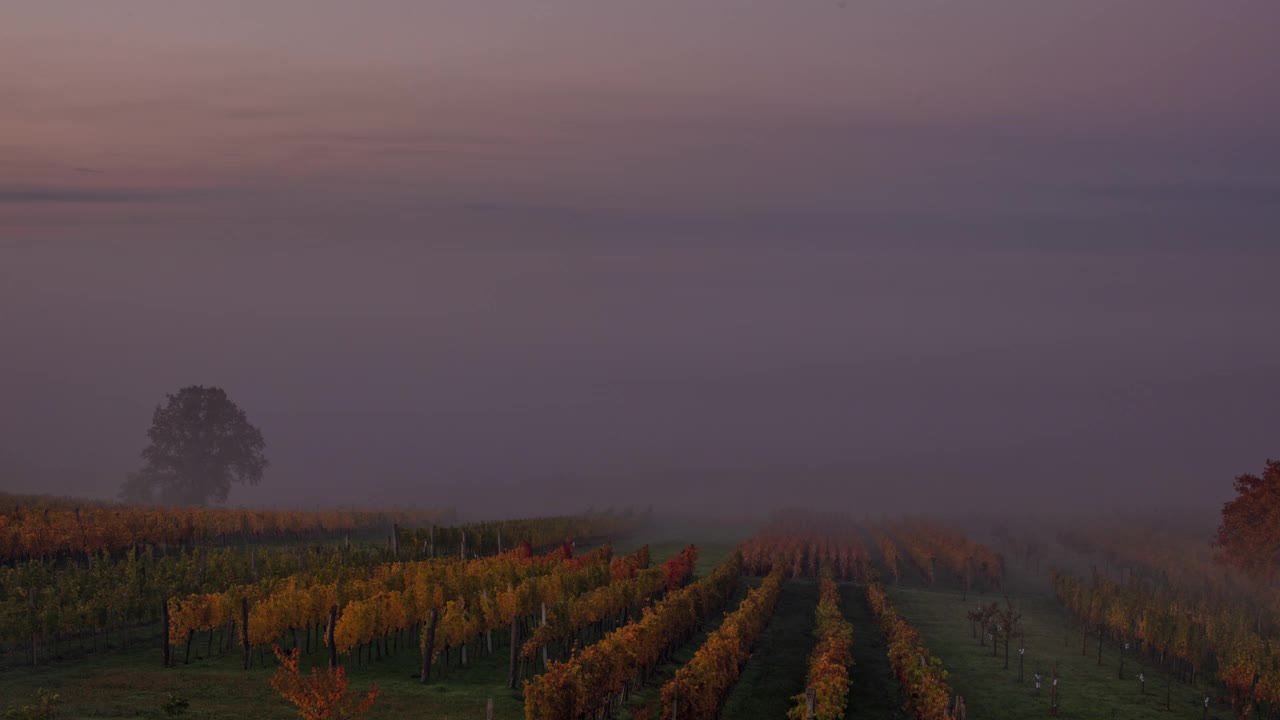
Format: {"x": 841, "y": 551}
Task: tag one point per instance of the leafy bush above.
{"x": 45, "y": 707}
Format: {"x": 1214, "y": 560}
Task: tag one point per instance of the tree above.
{"x": 986, "y": 616}
{"x": 201, "y": 442}
{"x": 1009, "y": 621}
{"x": 1249, "y": 536}
{"x": 323, "y": 695}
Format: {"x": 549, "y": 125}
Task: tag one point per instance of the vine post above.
{"x": 164, "y": 632}
{"x": 244, "y": 629}
{"x": 429, "y": 646}
{"x": 333, "y": 646}
{"x": 515, "y": 650}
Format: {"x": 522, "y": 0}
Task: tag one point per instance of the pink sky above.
{"x": 546, "y": 102}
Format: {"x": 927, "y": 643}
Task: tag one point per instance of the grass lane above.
{"x": 776, "y": 671}
{"x": 874, "y": 691}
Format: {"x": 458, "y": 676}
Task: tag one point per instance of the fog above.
{"x": 861, "y": 274}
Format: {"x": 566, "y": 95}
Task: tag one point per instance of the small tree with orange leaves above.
{"x": 321, "y": 696}
{"x": 1249, "y": 537}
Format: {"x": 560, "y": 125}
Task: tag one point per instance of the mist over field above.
{"x": 644, "y": 360}
{"x": 709, "y": 259}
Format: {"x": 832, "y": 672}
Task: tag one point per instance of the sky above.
{"x": 536, "y": 256}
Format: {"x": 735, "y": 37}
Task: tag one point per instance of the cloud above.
{"x": 10, "y": 194}
{"x": 1220, "y": 193}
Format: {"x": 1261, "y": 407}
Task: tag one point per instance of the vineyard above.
{"x": 133, "y": 611}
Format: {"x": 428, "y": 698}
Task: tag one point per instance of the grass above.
{"x": 1086, "y": 690}
{"x": 873, "y": 689}
{"x": 776, "y": 671}
{"x": 131, "y": 683}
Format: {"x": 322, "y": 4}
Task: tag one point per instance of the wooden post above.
{"x": 488, "y": 710}
{"x": 488, "y": 632}
{"x": 430, "y": 647}
{"x": 1053, "y": 691}
{"x": 328, "y": 636}
{"x": 515, "y": 653}
{"x": 164, "y": 632}
{"x": 810, "y": 703}
{"x": 544, "y": 647}
{"x": 244, "y": 629}
{"x": 35, "y": 656}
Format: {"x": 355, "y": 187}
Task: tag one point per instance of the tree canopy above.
{"x": 201, "y": 442}
{"x": 1249, "y": 537}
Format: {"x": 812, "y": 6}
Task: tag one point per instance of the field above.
{"x": 1086, "y": 690}
{"x": 770, "y": 680}
{"x": 132, "y": 684}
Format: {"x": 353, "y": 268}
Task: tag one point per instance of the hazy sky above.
{"x": 914, "y": 255}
